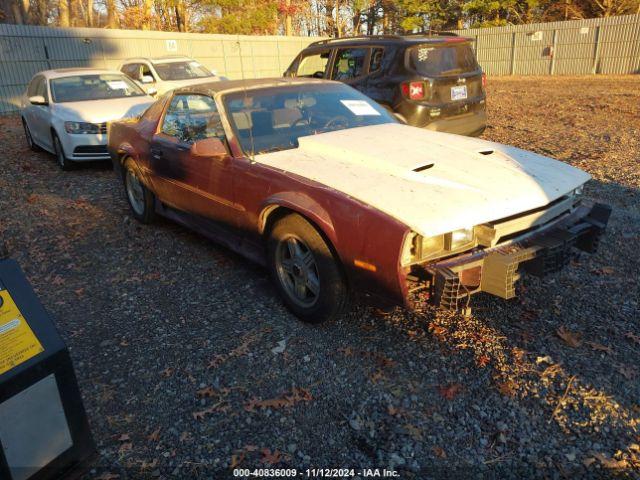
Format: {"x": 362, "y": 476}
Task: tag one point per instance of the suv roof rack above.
{"x": 428, "y": 33}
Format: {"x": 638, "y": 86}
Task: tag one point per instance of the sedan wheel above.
{"x": 27, "y": 134}
{"x": 306, "y": 272}
{"x": 297, "y": 271}
{"x": 63, "y": 163}
{"x": 140, "y": 199}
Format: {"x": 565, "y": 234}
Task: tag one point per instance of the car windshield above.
{"x": 181, "y": 70}
{"x": 433, "y": 60}
{"x": 271, "y": 119}
{"x": 80, "y": 88}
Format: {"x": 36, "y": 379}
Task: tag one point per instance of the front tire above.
{"x": 140, "y": 198}
{"x": 306, "y": 273}
{"x": 29, "y": 137}
{"x": 63, "y": 162}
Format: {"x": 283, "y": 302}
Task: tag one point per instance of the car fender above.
{"x": 126, "y": 150}
{"x": 302, "y": 204}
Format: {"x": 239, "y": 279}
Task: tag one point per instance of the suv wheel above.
{"x": 305, "y": 270}
{"x": 140, "y": 198}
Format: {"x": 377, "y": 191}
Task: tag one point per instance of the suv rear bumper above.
{"x": 496, "y": 270}
{"x": 463, "y": 119}
{"x": 471, "y": 124}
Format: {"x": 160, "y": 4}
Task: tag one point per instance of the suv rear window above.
{"x": 433, "y": 60}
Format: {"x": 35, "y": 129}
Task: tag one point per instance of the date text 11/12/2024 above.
{"x": 315, "y": 473}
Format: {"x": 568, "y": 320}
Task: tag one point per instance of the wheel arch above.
{"x": 285, "y": 203}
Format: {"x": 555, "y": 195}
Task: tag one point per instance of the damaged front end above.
{"x": 537, "y": 242}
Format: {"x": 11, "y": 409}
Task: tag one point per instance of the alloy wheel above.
{"x": 297, "y": 271}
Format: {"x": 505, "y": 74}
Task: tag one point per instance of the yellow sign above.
{"x": 17, "y": 341}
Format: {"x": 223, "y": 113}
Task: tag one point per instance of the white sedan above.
{"x": 157, "y": 76}
{"x": 66, "y": 111}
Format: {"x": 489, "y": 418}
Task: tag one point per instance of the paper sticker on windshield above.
{"x": 195, "y": 64}
{"x": 117, "y": 85}
{"x": 423, "y": 54}
{"x": 360, "y": 107}
{"x": 18, "y": 343}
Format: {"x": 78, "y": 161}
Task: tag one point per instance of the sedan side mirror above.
{"x": 210, "y": 148}
{"x": 146, "y": 79}
{"x": 38, "y": 100}
{"x": 152, "y": 91}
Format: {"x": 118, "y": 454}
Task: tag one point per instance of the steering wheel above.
{"x": 301, "y": 121}
{"x": 337, "y": 121}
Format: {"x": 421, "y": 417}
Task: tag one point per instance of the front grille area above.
{"x": 90, "y": 150}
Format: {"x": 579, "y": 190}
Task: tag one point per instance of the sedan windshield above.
{"x": 186, "y": 70}
{"x": 81, "y": 88}
{"x": 271, "y": 119}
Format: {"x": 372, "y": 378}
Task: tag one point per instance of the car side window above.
{"x": 41, "y": 89}
{"x": 376, "y": 59}
{"x": 314, "y": 64}
{"x": 349, "y": 63}
{"x": 132, "y": 70}
{"x": 145, "y": 71}
{"x": 33, "y": 86}
{"x": 190, "y": 118}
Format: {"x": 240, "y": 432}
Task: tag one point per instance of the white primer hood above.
{"x": 456, "y": 185}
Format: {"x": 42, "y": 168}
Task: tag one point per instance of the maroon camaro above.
{"x": 330, "y": 192}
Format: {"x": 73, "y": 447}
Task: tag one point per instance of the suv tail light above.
{"x": 484, "y": 80}
{"x": 414, "y": 90}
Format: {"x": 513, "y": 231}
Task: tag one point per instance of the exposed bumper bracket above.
{"x": 500, "y": 267}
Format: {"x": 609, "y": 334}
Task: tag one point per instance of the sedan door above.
{"x": 39, "y": 116}
{"x": 190, "y": 183}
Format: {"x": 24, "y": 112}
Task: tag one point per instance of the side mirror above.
{"x": 152, "y": 91}
{"x": 38, "y": 100}
{"x": 209, "y": 148}
{"x": 146, "y": 79}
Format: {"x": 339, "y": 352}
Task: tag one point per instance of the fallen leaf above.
{"x": 108, "y": 476}
{"x": 437, "y": 330}
{"x": 598, "y": 347}
{"x": 415, "y": 432}
{"x": 588, "y": 461}
{"x": 628, "y": 372}
{"x": 236, "y": 459}
{"x": 167, "y": 372}
{"x": 506, "y": 388}
{"x": 288, "y": 399}
{"x": 126, "y": 447}
{"x": 482, "y": 361}
{"x": 450, "y": 391}
{"x": 439, "y": 452}
{"x": 124, "y": 437}
{"x": 271, "y": 458}
{"x": 570, "y": 338}
{"x": 155, "y": 435}
{"x": 545, "y": 359}
{"x": 633, "y": 337}
{"x": 611, "y": 463}
{"x": 206, "y": 392}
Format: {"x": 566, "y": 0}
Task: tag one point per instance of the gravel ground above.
{"x": 189, "y": 364}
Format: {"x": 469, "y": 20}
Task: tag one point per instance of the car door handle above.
{"x": 157, "y": 154}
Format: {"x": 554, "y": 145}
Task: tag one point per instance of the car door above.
{"x": 193, "y": 184}
{"x": 40, "y": 116}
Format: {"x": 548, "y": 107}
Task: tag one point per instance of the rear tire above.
{"x": 306, "y": 273}
{"x": 63, "y": 162}
{"x": 141, "y": 200}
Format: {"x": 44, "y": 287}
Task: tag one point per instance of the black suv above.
{"x": 433, "y": 82}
